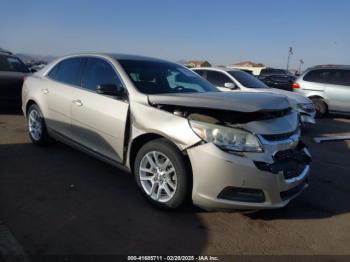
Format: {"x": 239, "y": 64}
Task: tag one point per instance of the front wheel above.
{"x": 320, "y": 107}
{"x": 161, "y": 174}
{"x": 36, "y": 126}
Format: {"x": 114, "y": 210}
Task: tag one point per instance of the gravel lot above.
{"x": 56, "y": 200}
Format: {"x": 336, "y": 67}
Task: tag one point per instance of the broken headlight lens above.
{"x": 227, "y": 138}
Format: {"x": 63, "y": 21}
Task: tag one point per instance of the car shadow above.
{"x": 328, "y": 194}
{"x": 57, "y": 200}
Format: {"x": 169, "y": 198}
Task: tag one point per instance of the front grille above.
{"x": 279, "y": 137}
{"x": 285, "y": 195}
{"x": 291, "y": 154}
{"x": 290, "y": 162}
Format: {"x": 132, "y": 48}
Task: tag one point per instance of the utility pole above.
{"x": 289, "y": 54}
{"x": 301, "y": 61}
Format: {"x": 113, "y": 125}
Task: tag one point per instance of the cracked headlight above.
{"x": 227, "y": 138}
{"x": 308, "y": 107}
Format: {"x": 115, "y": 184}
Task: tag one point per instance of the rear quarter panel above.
{"x": 31, "y": 91}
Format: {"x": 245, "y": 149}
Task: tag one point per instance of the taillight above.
{"x": 296, "y": 85}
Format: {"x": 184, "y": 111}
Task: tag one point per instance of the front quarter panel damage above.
{"x": 151, "y": 120}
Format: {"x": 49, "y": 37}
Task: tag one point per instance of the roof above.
{"x": 216, "y": 68}
{"x": 332, "y": 66}
{"x": 116, "y": 56}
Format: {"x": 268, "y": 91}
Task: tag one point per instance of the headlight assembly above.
{"x": 226, "y": 138}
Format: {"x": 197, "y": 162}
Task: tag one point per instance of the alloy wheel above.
{"x": 35, "y": 125}
{"x": 158, "y": 176}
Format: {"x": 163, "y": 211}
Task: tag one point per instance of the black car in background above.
{"x": 277, "y": 78}
{"x": 12, "y": 73}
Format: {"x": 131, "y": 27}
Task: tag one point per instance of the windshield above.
{"x": 247, "y": 79}
{"x": 12, "y": 64}
{"x": 152, "y": 77}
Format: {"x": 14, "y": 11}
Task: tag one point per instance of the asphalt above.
{"x": 56, "y": 200}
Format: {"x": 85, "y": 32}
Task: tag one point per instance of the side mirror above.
{"x": 110, "y": 90}
{"x": 230, "y": 85}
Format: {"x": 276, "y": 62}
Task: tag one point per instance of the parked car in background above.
{"x": 177, "y": 133}
{"x": 228, "y": 79}
{"x": 328, "y": 87}
{"x": 277, "y": 78}
{"x": 12, "y": 73}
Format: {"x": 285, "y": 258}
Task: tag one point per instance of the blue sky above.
{"x": 223, "y": 32}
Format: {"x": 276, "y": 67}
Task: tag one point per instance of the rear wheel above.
{"x": 320, "y": 107}
{"x": 161, "y": 174}
{"x": 36, "y": 126}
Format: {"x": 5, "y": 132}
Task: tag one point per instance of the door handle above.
{"x": 78, "y": 102}
{"x": 45, "y": 91}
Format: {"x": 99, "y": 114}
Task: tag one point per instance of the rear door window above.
{"x": 69, "y": 71}
{"x": 318, "y": 76}
{"x": 217, "y": 78}
{"x": 53, "y": 72}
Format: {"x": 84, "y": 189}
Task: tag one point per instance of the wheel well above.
{"x": 321, "y": 98}
{"x": 143, "y": 139}
{"x": 138, "y": 143}
{"x": 316, "y": 97}
{"x": 29, "y": 103}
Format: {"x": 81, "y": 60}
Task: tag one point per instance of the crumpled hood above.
{"x": 293, "y": 98}
{"x": 234, "y": 101}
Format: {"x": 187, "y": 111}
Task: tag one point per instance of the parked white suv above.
{"x": 328, "y": 87}
{"x": 229, "y": 79}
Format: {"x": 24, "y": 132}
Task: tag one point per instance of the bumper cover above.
{"x": 214, "y": 170}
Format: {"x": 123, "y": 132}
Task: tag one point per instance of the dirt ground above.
{"x": 57, "y": 200}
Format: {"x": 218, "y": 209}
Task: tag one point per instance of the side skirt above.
{"x": 70, "y": 142}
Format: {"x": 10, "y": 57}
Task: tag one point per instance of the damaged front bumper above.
{"x": 223, "y": 180}
{"x": 307, "y": 119}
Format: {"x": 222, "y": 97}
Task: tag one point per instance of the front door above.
{"x": 98, "y": 121}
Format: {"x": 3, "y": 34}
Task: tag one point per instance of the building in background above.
{"x": 249, "y": 66}
{"x": 197, "y": 63}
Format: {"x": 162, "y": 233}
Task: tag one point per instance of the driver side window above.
{"x": 217, "y": 78}
{"x": 99, "y": 72}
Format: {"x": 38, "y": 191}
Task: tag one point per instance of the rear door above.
{"x": 338, "y": 89}
{"x": 58, "y": 92}
{"x": 98, "y": 121}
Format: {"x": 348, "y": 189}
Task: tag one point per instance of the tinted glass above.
{"x": 151, "y": 77}
{"x": 53, "y": 72}
{"x": 12, "y": 64}
{"x": 217, "y": 78}
{"x": 247, "y": 79}
{"x": 200, "y": 72}
{"x": 318, "y": 76}
{"x": 273, "y": 71}
{"x": 340, "y": 77}
{"x": 98, "y": 72}
{"x": 69, "y": 71}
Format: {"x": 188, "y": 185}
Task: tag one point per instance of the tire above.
{"x": 161, "y": 186}
{"x": 36, "y": 126}
{"x": 320, "y": 106}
